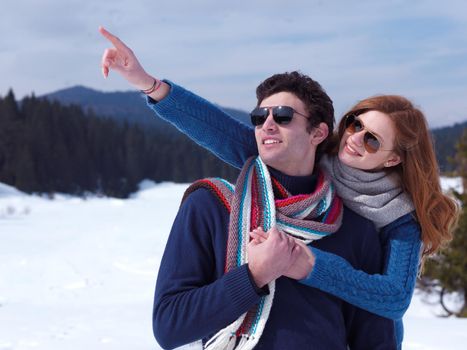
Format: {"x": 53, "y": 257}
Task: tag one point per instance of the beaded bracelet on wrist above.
{"x": 156, "y": 85}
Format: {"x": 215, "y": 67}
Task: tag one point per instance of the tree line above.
{"x": 445, "y": 141}
{"x": 46, "y": 147}
{"x": 445, "y": 274}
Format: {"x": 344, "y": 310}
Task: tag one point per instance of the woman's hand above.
{"x": 304, "y": 263}
{"x": 122, "y": 60}
{"x": 258, "y": 235}
{"x": 303, "y": 266}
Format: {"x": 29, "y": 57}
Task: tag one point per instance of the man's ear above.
{"x": 319, "y": 134}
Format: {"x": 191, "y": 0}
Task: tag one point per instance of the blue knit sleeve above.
{"x": 386, "y": 294}
{"x": 207, "y": 125}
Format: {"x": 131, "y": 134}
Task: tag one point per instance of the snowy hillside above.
{"x": 80, "y": 273}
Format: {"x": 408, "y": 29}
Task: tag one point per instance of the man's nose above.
{"x": 269, "y": 123}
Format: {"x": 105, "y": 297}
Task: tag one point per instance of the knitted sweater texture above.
{"x": 195, "y": 298}
{"x": 387, "y": 294}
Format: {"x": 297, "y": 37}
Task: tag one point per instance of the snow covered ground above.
{"x": 80, "y": 273}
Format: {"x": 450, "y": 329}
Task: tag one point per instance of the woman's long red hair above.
{"x": 436, "y": 212}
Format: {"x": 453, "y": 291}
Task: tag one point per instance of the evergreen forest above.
{"x": 46, "y": 147}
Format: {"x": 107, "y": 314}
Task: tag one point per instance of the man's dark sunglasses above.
{"x": 281, "y": 114}
{"x": 370, "y": 141}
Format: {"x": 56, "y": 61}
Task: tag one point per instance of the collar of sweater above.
{"x": 295, "y": 184}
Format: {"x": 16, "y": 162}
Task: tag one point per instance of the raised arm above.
{"x": 205, "y": 123}
{"x": 387, "y": 294}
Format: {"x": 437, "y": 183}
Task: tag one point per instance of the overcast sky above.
{"x": 223, "y": 49}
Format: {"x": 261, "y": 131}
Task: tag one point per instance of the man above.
{"x": 216, "y": 286}
{"x": 195, "y": 298}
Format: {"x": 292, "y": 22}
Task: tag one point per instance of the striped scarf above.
{"x": 258, "y": 200}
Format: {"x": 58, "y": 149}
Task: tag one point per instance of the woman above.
{"x": 397, "y": 188}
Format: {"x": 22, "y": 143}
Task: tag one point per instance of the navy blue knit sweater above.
{"x": 194, "y": 298}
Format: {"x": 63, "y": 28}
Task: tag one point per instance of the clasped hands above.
{"x": 274, "y": 254}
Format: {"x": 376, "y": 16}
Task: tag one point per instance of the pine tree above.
{"x": 10, "y": 135}
{"x": 446, "y": 273}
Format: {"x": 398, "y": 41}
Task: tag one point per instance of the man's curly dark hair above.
{"x": 317, "y": 102}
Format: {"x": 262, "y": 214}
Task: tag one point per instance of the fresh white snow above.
{"x": 80, "y": 273}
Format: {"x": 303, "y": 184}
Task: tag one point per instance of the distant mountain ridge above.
{"x": 127, "y": 106}
{"x": 445, "y": 140}
{"x": 130, "y": 106}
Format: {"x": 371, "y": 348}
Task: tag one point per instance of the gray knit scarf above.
{"x": 376, "y": 196}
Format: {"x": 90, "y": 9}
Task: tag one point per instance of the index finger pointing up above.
{"x": 113, "y": 39}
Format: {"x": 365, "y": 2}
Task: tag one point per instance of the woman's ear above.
{"x": 319, "y": 134}
{"x": 393, "y": 160}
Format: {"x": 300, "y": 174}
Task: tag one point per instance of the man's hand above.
{"x": 304, "y": 263}
{"x": 272, "y": 258}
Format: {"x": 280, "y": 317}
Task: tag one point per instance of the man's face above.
{"x": 287, "y": 147}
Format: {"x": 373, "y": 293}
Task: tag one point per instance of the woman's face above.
{"x": 352, "y": 149}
